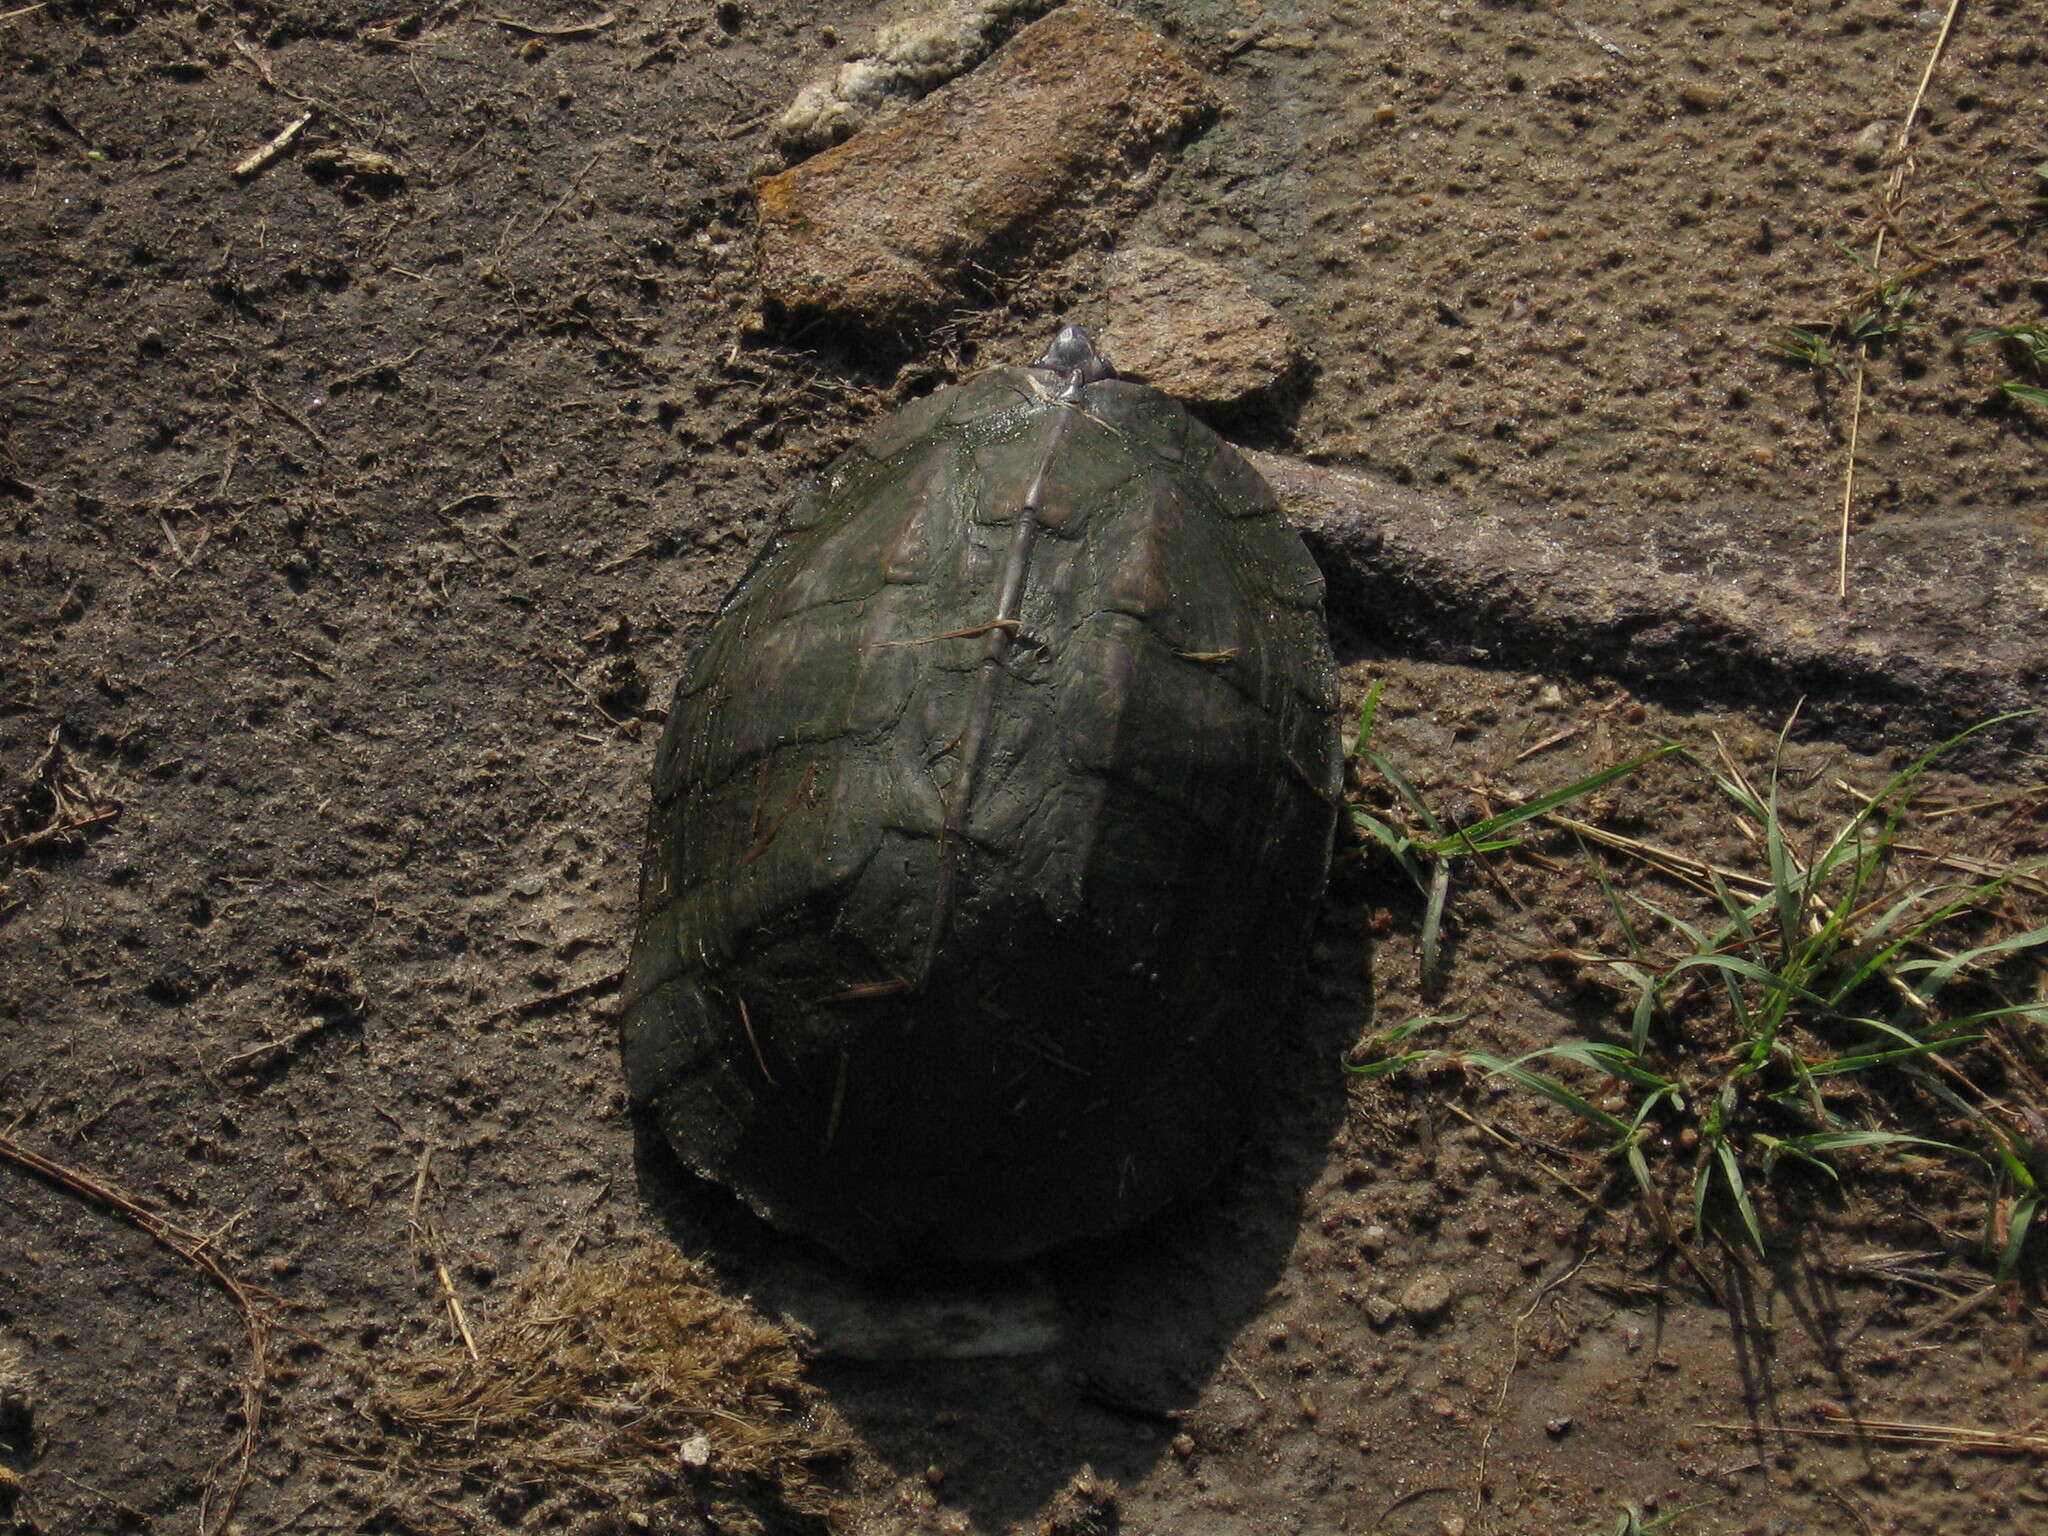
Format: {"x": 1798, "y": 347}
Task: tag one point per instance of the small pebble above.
{"x": 1427, "y": 1297}
{"x": 1557, "y": 1429}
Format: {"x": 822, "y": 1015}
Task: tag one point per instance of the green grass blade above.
{"x": 2023, "y": 1213}
{"x": 1864, "y": 1061}
{"x": 1399, "y": 1034}
{"x": 1551, "y": 1089}
{"x": 1693, "y": 934}
{"x": 1610, "y": 1059}
{"x": 1739, "y": 797}
{"x": 1408, "y": 793}
{"x": 1430, "y": 959}
{"x": 1731, "y": 1174}
{"x": 1628, "y": 929}
{"x": 1702, "y": 1174}
{"x": 1742, "y": 915}
{"x": 1368, "y": 712}
{"x": 1935, "y": 974}
{"x": 1529, "y": 810}
{"x": 1841, "y": 1141}
{"x": 1911, "y": 774}
{"x": 1398, "y": 844}
{"x": 1773, "y": 983}
{"x": 1788, "y": 892}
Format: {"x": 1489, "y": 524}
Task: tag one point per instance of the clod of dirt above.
{"x": 996, "y": 169}
{"x": 907, "y": 59}
{"x": 1427, "y": 1297}
{"x": 1381, "y": 1311}
{"x": 367, "y": 169}
{"x": 1189, "y": 327}
{"x": 1087, "y": 1506}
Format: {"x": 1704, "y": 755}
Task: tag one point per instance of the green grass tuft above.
{"x": 1820, "y": 971}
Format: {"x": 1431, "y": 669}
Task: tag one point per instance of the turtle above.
{"x": 990, "y": 824}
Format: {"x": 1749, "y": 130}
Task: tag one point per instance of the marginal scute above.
{"x": 933, "y": 991}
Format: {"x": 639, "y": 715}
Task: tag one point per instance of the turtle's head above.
{"x": 1073, "y": 355}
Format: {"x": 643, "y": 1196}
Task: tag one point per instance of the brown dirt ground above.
{"x": 354, "y": 525}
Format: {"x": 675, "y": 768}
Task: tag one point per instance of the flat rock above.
{"x": 1730, "y": 605}
{"x": 1188, "y": 326}
{"x": 996, "y": 169}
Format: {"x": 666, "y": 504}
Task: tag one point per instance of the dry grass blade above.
{"x": 1890, "y": 209}
{"x": 216, "y": 1504}
{"x": 1695, "y": 872}
{"x": 423, "y": 1241}
{"x": 1956, "y": 1437}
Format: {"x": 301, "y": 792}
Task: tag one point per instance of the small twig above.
{"x": 602, "y": 983}
{"x": 1245, "y": 1376}
{"x": 1547, "y": 743}
{"x": 575, "y": 29}
{"x": 1409, "y": 1498}
{"x": 1961, "y": 1307}
{"x": 1519, "y": 1144}
{"x": 446, "y": 511}
{"x": 630, "y": 727}
{"x": 446, "y": 515}
{"x": 138, "y": 1516}
{"x": 734, "y": 128}
{"x": 290, "y": 1042}
{"x": 1514, "y": 1363}
{"x": 57, "y": 829}
{"x": 25, "y": 10}
{"x": 505, "y": 249}
{"x": 258, "y": 158}
{"x": 171, "y": 538}
{"x": 192, "y": 1248}
{"x": 294, "y": 418}
{"x": 1429, "y": 975}
{"x": 421, "y": 1231}
{"x": 647, "y": 548}
{"x": 385, "y": 365}
{"x": 747, "y": 1023}
{"x": 1841, "y": 1497}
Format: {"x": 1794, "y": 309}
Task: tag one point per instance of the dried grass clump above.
{"x": 614, "y": 1386}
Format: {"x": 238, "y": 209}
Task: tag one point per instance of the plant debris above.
{"x": 617, "y": 1384}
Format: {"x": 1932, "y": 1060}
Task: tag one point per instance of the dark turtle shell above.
{"x": 989, "y": 825}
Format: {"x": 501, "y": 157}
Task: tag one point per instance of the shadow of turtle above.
{"x": 993, "y": 1393}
